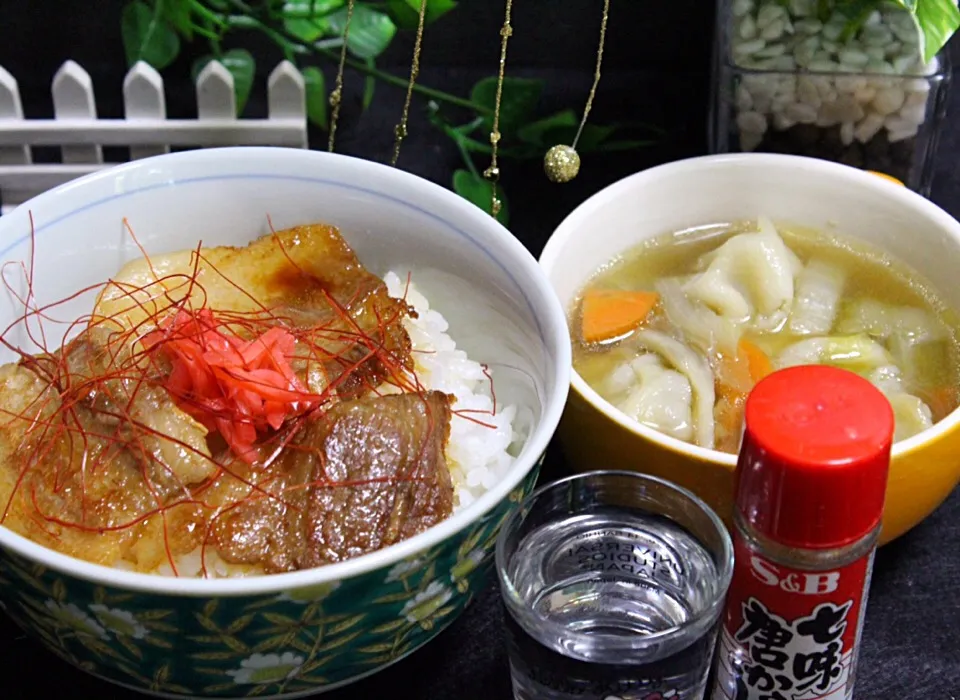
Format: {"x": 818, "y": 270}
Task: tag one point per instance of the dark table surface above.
{"x": 911, "y": 642}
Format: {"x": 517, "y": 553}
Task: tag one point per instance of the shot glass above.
{"x": 613, "y": 584}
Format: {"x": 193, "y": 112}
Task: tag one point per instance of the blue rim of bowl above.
{"x": 276, "y": 583}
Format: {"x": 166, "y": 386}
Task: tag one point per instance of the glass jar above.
{"x": 790, "y": 79}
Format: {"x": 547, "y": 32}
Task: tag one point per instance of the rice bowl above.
{"x": 373, "y": 609}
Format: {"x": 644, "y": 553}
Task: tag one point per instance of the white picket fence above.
{"x": 79, "y": 134}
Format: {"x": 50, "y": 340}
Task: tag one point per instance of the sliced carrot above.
{"x": 728, "y": 414}
{"x": 757, "y": 360}
{"x": 609, "y": 313}
{"x": 732, "y": 374}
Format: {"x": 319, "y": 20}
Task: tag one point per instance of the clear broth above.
{"x": 870, "y": 273}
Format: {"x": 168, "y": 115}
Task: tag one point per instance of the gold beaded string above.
{"x": 562, "y": 162}
{"x": 492, "y": 174}
{"x": 336, "y": 96}
{"x": 400, "y": 131}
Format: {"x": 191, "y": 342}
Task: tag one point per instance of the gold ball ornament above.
{"x": 561, "y": 164}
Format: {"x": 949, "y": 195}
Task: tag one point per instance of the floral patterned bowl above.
{"x": 299, "y": 633}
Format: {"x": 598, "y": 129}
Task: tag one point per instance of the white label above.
{"x": 783, "y": 661}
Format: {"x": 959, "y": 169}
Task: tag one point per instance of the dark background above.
{"x": 656, "y": 71}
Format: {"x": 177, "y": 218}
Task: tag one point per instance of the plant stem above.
{"x": 467, "y": 159}
{"x": 289, "y": 38}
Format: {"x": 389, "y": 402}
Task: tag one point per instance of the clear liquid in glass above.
{"x": 618, "y": 573}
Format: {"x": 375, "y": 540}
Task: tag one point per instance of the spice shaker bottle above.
{"x": 810, "y": 484}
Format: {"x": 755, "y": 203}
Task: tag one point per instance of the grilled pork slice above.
{"x": 371, "y": 472}
{"x": 306, "y": 277}
{"x": 88, "y": 451}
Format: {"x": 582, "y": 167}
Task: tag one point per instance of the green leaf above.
{"x": 132, "y": 648}
{"x": 155, "y": 614}
{"x": 147, "y": 35}
{"x": 242, "y": 67}
{"x": 475, "y": 189}
{"x": 208, "y": 625}
{"x": 937, "y": 20}
{"x": 213, "y": 655}
{"x": 235, "y": 644}
{"x": 406, "y": 13}
{"x": 240, "y": 624}
{"x": 393, "y": 598}
{"x": 316, "y": 92}
{"x": 518, "y": 101}
{"x": 339, "y": 642}
{"x": 369, "y": 85}
{"x": 302, "y": 18}
{"x": 301, "y": 645}
{"x": 562, "y": 128}
{"x": 279, "y": 620}
{"x": 534, "y": 133}
{"x": 178, "y": 13}
{"x": 313, "y": 666}
{"x": 270, "y": 643}
{"x": 158, "y": 642}
{"x": 346, "y": 624}
{"x": 371, "y": 31}
{"x": 220, "y": 688}
{"x": 388, "y": 627}
{"x": 59, "y": 590}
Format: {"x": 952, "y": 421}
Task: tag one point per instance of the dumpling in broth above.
{"x": 660, "y": 398}
{"x": 749, "y": 278}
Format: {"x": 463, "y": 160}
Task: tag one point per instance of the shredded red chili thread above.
{"x": 231, "y": 386}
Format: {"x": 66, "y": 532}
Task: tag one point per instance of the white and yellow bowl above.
{"x": 713, "y": 189}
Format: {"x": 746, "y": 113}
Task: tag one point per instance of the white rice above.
{"x": 478, "y": 455}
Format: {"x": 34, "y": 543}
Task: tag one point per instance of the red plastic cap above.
{"x": 813, "y": 466}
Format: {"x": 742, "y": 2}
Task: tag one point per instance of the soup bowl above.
{"x": 294, "y": 633}
{"x": 717, "y": 189}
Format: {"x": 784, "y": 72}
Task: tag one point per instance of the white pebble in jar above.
{"x": 816, "y": 75}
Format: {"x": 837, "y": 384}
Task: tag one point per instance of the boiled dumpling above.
{"x": 696, "y": 370}
{"x": 818, "y": 292}
{"x": 701, "y": 326}
{"x": 749, "y": 278}
{"x": 661, "y": 398}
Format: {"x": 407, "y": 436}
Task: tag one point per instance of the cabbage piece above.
{"x": 883, "y": 321}
{"x": 700, "y": 325}
{"x": 857, "y": 353}
{"x": 697, "y": 371}
{"x": 818, "y": 291}
{"x": 911, "y": 415}
{"x": 749, "y": 278}
{"x": 661, "y": 400}
{"x": 888, "y": 379}
{"x": 923, "y": 363}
